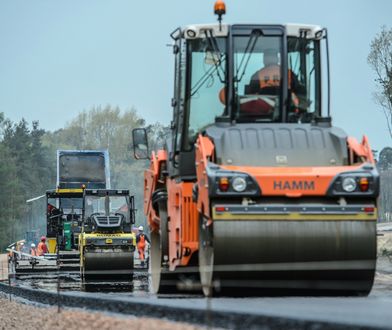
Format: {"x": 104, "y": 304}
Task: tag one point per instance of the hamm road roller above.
{"x": 255, "y": 190}
{"x": 107, "y": 243}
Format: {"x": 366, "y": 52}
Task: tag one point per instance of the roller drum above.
{"x": 334, "y": 256}
{"x": 108, "y": 264}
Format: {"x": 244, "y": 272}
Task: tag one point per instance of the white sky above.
{"x": 60, "y": 57}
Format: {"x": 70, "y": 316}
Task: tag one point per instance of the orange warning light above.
{"x": 364, "y": 184}
{"x": 220, "y": 8}
{"x": 224, "y": 184}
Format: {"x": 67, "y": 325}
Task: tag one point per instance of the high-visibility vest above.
{"x": 33, "y": 252}
{"x": 142, "y": 241}
{"x": 270, "y": 77}
{"x": 41, "y": 249}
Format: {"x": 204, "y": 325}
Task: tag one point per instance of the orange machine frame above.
{"x": 183, "y": 212}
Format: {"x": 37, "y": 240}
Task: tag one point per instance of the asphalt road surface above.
{"x": 372, "y": 311}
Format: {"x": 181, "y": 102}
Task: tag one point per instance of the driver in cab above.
{"x": 267, "y": 79}
{"x": 266, "y": 82}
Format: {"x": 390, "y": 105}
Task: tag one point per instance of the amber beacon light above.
{"x": 220, "y": 10}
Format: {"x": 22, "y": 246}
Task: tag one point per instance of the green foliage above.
{"x": 28, "y": 162}
{"x": 110, "y": 128}
{"x": 24, "y": 173}
{"x": 102, "y": 128}
{"x": 9, "y": 196}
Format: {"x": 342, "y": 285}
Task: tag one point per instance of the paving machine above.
{"x": 76, "y": 171}
{"x": 255, "y": 189}
{"x": 64, "y": 211}
{"x": 107, "y": 243}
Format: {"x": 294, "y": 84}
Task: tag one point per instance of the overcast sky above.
{"x": 60, "y": 57}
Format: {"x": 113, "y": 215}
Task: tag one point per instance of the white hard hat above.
{"x": 141, "y": 228}
{"x": 21, "y": 243}
{"x": 32, "y": 245}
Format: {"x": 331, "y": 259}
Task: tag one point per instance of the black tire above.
{"x": 164, "y": 231}
{"x": 162, "y": 280}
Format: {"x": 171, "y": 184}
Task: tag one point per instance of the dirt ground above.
{"x": 383, "y": 279}
{"x": 14, "y": 315}
{"x": 384, "y": 243}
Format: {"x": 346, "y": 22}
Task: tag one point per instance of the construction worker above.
{"x": 267, "y": 81}
{"x": 33, "y": 250}
{"x": 21, "y": 249}
{"x": 141, "y": 240}
{"x": 42, "y": 248}
{"x": 12, "y": 256}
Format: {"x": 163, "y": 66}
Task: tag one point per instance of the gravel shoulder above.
{"x": 383, "y": 279}
{"x": 16, "y": 315}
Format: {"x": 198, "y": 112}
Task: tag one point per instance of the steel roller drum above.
{"x": 108, "y": 263}
{"x": 321, "y": 256}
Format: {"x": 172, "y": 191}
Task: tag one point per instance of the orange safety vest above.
{"x": 142, "y": 241}
{"x": 41, "y": 249}
{"x": 33, "y": 252}
{"x": 270, "y": 77}
{"x": 267, "y": 77}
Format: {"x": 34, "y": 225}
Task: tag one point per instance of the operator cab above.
{"x": 108, "y": 210}
{"x": 64, "y": 209}
{"x": 225, "y": 76}
{"x": 245, "y": 73}
{"x": 215, "y": 78}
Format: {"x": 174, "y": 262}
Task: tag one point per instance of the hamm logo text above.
{"x": 294, "y": 185}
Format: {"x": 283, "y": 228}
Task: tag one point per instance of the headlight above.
{"x": 360, "y": 183}
{"x": 239, "y": 184}
{"x": 231, "y": 183}
{"x": 191, "y": 32}
{"x": 349, "y": 184}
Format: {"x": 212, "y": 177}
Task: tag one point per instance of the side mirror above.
{"x": 140, "y": 143}
{"x": 132, "y": 216}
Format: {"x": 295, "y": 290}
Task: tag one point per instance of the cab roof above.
{"x": 292, "y": 30}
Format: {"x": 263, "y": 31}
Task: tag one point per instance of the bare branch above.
{"x": 380, "y": 60}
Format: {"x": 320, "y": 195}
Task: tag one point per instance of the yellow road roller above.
{"x": 107, "y": 243}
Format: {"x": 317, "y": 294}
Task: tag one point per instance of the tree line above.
{"x": 25, "y": 172}
{"x": 28, "y": 163}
